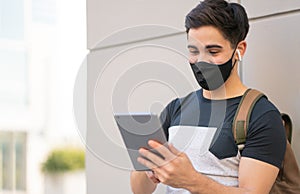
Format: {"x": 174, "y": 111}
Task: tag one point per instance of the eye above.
{"x": 213, "y": 52}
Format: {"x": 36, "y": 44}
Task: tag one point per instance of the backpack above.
{"x": 288, "y": 178}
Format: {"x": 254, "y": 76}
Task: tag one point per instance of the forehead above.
{"x": 207, "y": 35}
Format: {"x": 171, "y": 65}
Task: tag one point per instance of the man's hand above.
{"x": 175, "y": 169}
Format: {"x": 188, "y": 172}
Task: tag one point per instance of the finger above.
{"x": 149, "y": 173}
{"x": 151, "y": 156}
{"x": 163, "y": 150}
{"x": 152, "y": 176}
{"x": 157, "y": 171}
{"x": 146, "y": 163}
{"x": 173, "y": 149}
{"x": 155, "y": 180}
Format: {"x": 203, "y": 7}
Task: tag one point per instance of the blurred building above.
{"x": 42, "y": 44}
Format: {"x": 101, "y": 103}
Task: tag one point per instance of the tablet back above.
{"x": 136, "y": 130}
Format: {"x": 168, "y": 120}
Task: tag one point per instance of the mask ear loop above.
{"x": 239, "y": 57}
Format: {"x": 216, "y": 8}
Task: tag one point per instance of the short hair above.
{"x": 229, "y": 18}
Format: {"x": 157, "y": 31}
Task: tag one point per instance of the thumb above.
{"x": 149, "y": 174}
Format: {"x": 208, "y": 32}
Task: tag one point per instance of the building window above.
{"x": 13, "y": 56}
{"x": 12, "y": 161}
{"x": 44, "y": 11}
{"x": 13, "y": 78}
{"x": 12, "y": 19}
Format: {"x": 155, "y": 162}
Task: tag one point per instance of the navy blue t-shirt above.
{"x": 265, "y": 139}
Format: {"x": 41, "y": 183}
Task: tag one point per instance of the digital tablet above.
{"x": 136, "y": 130}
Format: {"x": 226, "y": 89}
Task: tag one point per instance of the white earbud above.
{"x": 239, "y": 55}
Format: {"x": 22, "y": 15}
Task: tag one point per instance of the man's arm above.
{"x": 255, "y": 177}
{"x": 141, "y": 183}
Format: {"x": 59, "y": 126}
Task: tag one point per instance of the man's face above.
{"x": 208, "y": 44}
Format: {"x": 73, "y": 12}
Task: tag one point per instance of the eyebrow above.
{"x": 207, "y": 47}
{"x": 193, "y": 47}
{"x": 213, "y": 46}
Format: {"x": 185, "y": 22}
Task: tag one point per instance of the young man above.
{"x": 216, "y": 41}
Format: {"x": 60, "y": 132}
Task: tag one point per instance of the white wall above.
{"x": 120, "y": 44}
{"x": 107, "y": 17}
{"x": 271, "y": 63}
{"x": 107, "y": 93}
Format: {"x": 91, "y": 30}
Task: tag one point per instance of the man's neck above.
{"x": 233, "y": 87}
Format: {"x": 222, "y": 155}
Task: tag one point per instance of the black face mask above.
{"x": 211, "y": 76}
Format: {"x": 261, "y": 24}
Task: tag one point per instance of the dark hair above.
{"x": 230, "y": 18}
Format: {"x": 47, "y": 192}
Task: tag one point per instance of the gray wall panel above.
{"x": 155, "y": 72}
{"x": 272, "y": 65}
{"x": 107, "y": 17}
{"x": 256, "y": 8}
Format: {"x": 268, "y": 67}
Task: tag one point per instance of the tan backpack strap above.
{"x": 242, "y": 115}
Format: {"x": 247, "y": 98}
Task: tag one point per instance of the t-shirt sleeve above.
{"x": 266, "y": 139}
{"x": 166, "y": 115}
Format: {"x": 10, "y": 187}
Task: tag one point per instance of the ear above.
{"x": 241, "y": 48}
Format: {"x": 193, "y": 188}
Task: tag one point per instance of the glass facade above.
{"x": 13, "y": 77}
{"x": 12, "y": 19}
{"x": 12, "y": 161}
{"x": 13, "y": 55}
